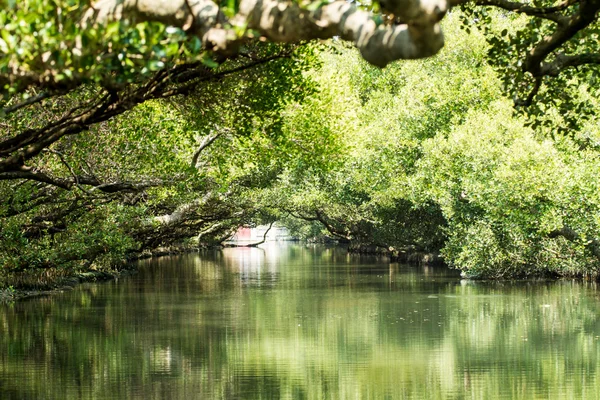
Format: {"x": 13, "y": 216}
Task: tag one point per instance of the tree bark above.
{"x": 284, "y": 21}
{"x": 592, "y": 244}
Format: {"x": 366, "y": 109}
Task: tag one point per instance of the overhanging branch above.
{"x": 31, "y": 100}
{"x": 550, "y": 13}
{"x": 585, "y": 15}
{"x": 92, "y": 182}
{"x": 563, "y": 61}
{"x": 17, "y": 150}
{"x": 287, "y": 22}
{"x": 591, "y": 244}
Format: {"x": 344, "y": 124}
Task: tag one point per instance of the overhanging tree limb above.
{"x": 550, "y": 13}
{"x": 208, "y": 140}
{"x": 256, "y": 244}
{"x": 591, "y": 244}
{"x": 31, "y": 100}
{"x": 287, "y": 22}
{"x": 92, "y": 182}
{"x": 17, "y": 150}
{"x": 583, "y": 17}
{"x": 563, "y": 61}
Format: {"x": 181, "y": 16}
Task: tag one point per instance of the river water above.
{"x": 302, "y": 322}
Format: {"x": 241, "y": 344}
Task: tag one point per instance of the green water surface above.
{"x": 301, "y": 322}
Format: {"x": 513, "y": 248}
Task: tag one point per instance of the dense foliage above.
{"x": 436, "y": 161}
{"x": 169, "y": 170}
{"x": 120, "y": 137}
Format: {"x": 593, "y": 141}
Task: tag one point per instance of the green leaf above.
{"x": 315, "y": 5}
{"x": 209, "y": 62}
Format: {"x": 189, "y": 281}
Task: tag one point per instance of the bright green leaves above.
{"x": 43, "y": 42}
{"x": 229, "y": 7}
{"x": 504, "y": 193}
{"x": 552, "y": 101}
{"x": 430, "y": 158}
{"x": 379, "y": 119}
{"x": 249, "y": 107}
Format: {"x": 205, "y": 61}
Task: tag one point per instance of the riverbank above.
{"x": 62, "y": 284}
{"x": 402, "y": 256}
{"x": 47, "y": 282}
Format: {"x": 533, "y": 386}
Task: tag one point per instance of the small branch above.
{"x": 213, "y": 228}
{"x": 29, "y": 101}
{"x": 319, "y": 218}
{"x": 200, "y": 75}
{"x": 208, "y": 140}
{"x": 264, "y": 239}
{"x": 592, "y": 244}
{"x": 42, "y": 200}
{"x": 115, "y": 187}
{"x": 334, "y": 231}
{"x": 529, "y": 100}
{"x": 548, "y": 13}
{"x": 64, "y": 161}
{"x": 90, "y": 170}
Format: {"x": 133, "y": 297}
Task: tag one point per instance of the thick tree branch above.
{"x": 571, "y": 18}
{"x": 36, "y": 176}
{"x": 585, "y": 15}
{"x": 117, "y": 187}
{"x": 592, "y": 244}
{"x": 29, "y": 136}
{"x": 563, "y": 61}
{"x": 183, "y": 212}
{"x": 287, "y": 22}
{"x": 201, "y": 17}
{"x": 17, "y": 150}
{"x": 67, "y": 184}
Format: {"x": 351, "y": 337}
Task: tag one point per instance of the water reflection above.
{"x": 301, "y": 322}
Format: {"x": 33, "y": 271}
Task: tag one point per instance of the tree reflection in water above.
{"x": 290, "y": 321}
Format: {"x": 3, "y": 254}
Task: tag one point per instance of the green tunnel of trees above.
{"x": 126, "y": 135}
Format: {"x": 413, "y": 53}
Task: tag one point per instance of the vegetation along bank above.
{"x": 123, "y": 131}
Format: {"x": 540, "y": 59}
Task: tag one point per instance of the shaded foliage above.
{"x": 152, "y": 165}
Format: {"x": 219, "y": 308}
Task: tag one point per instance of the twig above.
{"x": 29, "y": 101}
